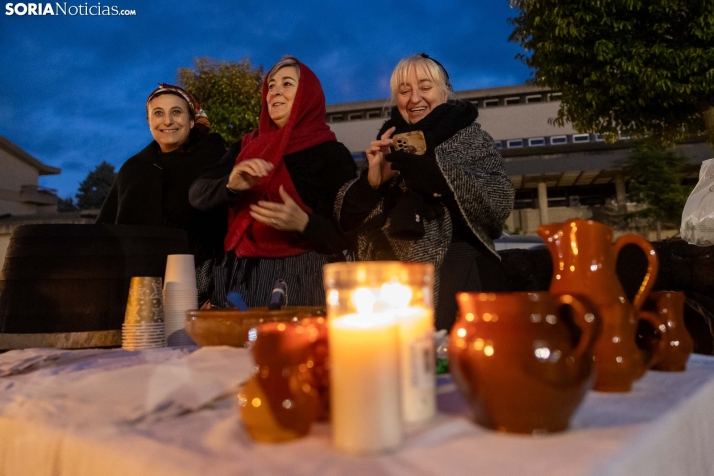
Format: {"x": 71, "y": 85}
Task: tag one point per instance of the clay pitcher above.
{"x": 584, "y": 260}
{"x": 523, "y": 361}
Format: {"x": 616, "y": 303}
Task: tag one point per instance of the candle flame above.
{"x": 364, "y": 300}
{"x": 395, "y": 294}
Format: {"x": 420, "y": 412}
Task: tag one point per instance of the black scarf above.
{"x": 439, "y": 125}
{"x": 408, "y": 207}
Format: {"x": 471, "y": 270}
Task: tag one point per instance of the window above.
{"x": 555, "y": 96}
{"x": 514, "y": 143}
{"x": 355, "y": 116}
{"x": 359, "y": 155}
{"x": 512, "y": 101}
{"x": 490, "y": 103}
{"x": 536, "y": 142}
{"x": 499, "y": 144}
{"x": 474, "y": 102}
{"x": 532, "y": 99}
{"x": 577, "y": 138}
{"x": 599, "y": 138}
{"x": 557, "y": 140}
{"x": 336, "y": 118}
{"x": 374, "y": 114}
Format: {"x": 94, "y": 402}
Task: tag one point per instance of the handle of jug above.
{"x": 652, "y": 265}
{"x": 585, "y": 320}
{"x": 657, "y": 323}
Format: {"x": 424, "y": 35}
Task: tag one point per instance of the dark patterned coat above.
{"x": 483, "y": 193}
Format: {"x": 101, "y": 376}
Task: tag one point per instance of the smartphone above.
{"x": 412, "y": 142}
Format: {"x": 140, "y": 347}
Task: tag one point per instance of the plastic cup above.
{"x": 180, "y": 272}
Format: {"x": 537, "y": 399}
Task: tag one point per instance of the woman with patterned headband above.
{"x": 151, "y": 188}
{"x": 443, "y": 204}
{"x": 280, "y": 182}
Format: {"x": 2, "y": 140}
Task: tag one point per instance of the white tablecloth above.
{"x": 173, "y": 412}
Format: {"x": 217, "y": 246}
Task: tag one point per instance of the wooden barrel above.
{"x": 75, "y": 278}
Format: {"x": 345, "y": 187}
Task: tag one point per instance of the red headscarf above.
{"x": 305, "y": 128}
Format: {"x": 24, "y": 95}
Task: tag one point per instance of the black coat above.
{"x": 151, "y": 189}
{"x": 318, "y": 173}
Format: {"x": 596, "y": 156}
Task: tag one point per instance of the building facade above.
{"x": 19, "y": 190}
{"x": 22, "y": 201}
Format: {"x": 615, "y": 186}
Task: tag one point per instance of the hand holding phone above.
{"x": 411, "y": 142}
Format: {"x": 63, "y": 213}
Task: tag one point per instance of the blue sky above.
{"x": 73, "y": 88}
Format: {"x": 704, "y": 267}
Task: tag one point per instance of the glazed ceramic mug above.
{"x": 674, "y": 343}
{"x": 523, "y": 361}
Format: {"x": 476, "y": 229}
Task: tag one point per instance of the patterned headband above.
{"x": 200, "y": 117}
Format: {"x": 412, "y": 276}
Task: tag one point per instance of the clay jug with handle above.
{"x": 584, "y": 261}
{"x": 523, "y": 361}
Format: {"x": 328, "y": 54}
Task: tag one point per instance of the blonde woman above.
{"x": 444, "y": 207}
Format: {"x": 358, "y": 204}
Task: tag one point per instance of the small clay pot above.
{"x": 280, "y": 402}
{"x": 523, "y": 361}
{"x": 670, "y": 336}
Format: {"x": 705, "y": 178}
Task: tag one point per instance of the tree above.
{"x": 656, "y": 181}
{"x": 95, "y": 188}
{"x": 643, "y": 67}
{"x": 229, "y": 92}
{"x": 66, "y": 205}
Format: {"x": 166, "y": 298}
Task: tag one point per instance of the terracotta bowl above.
{"x": 231, "y": 327}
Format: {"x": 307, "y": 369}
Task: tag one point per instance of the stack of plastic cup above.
{"x": 180, "y": 295}
{"x": 143, "y": 326}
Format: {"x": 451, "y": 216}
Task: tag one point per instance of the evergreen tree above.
{"x": 66, "y": 205}
{"x": 95, "y": 188}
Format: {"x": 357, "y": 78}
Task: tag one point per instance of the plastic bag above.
{"x": 698, "y": 215}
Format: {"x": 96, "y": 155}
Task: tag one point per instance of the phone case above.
{"x": 412, "y": 142}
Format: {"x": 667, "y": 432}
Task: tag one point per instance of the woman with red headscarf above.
{"x": 280, "y": 182}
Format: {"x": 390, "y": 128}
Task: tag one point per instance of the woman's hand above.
{"x": 286, "y": 216}
{"x": 247, "y": 173}
{"x": 380, "y": 171}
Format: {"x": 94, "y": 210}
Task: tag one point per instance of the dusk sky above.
{"x": 72, "y": 88}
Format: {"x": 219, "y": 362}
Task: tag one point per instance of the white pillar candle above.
{"x": 364, "y": 382}
{"x": 417, "y": 361}
{"x": 381, "y": 345}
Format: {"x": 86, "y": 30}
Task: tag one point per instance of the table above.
{"x": 173, "y": 412}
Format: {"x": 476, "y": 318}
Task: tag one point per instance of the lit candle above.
{"x": 364, "y": 382}
{"x": 416, "y": 349}
{"x": 380, "y": 322}
{"x": 417, "y": 361}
